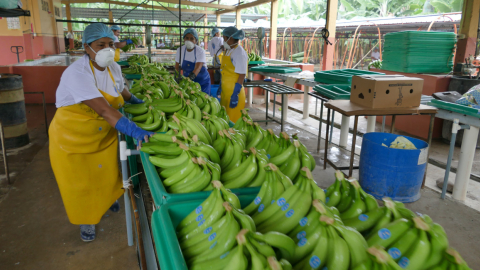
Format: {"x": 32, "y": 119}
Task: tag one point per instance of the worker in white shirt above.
{"x": 234, "y": 69}
{"x": 193, "y": 61}
{"x": 214, "y": 47}
{"x": 117, "y": 43}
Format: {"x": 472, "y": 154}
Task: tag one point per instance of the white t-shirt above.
{"x": 376, "y": 55}
{"x": 190, "y": 56}
{"x": 239, "y": 59}
{"x": 78, "y": 84}
{"x": 116, "y": 39}
{"x": 214, "y": 45}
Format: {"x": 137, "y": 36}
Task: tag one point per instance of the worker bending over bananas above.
{"x": 83, "y": 132}
{"x": 234, "y": 69}
{"x": 193, "y": 60}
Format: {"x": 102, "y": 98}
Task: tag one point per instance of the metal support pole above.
{"x": 467, "y": 153}
{"x": 392, "y": 128}
{"x": 455, "y": 128}
{"x": 319, "y": 126}
{"x": 354, "y": 141}
{"x": 316, "y": 106}
{"x": 250, "y": 89}
{"x": 128, "y": 206}
{"x": 326, "y": 141}
{"x": 4, "y": 153}
{"x": 306, "y": 102}
{"x": 331, "y": 126}
{"x": 284, "y": 109}
{"x": 344, "y": 131}
{"x": 371, "y": 123}
{"x": 383, "y": 123}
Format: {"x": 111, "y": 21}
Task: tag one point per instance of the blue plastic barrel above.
{"x": 390, "y": 172}
{"x": 214, "y": 89}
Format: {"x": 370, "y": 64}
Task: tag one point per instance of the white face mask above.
{"x": 226, "y": 46}
{"x": 104, "y": 57}
{"x": 189, "y": 45}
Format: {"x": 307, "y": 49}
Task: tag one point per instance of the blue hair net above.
{"x": 96, "y": 31}
{"x": 115, "y": 27}
{"x": 215, "y": 31}
{"x": 229, "y": 31}
{"x": 191, "y": 31}
{"x": 240, "y": 35}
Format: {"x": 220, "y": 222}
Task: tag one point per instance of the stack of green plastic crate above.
{"x": 419, "y": 52}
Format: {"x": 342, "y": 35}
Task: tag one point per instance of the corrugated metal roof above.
{"x": 158, "y": 15}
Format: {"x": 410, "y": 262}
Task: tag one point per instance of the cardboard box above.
{"x": 386, "y": 91}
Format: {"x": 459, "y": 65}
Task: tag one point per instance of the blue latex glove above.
{"x": 234, "y": 97}
{"x": 129, "y": 128}
{"x": 134, "y": 100}
{"x": 129, "y": 41}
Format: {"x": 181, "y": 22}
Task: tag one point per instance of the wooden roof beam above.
{"x": 244, "y": 6}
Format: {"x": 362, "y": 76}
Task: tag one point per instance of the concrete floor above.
{"x": 34, "y": 229}
{"x": 35, "y": 232}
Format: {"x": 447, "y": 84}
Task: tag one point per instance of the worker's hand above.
{"x": 129, "y": 128}
{"x": 234, "y": 97}
{"x": 129, "y": 41}
{"x": 134, "y": 100}
{"x": 192, "y": 76}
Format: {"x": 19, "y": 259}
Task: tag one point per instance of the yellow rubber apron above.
{"x": 117, "y": 55}
{"x": 229, "y": 78}
{"x": 84, "y": 159}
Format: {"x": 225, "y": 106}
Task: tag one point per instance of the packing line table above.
{"x": 346, "y": 108}
{"x": 276, "y": 89}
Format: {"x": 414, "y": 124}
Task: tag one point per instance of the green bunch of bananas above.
{"x": 188, "y": 84}
{"x": 451, "y": 260}
{"x": 254, "y": 57}
{"x": 288, "y": 209}
{"x": 152, "y": 120}
{"x": 192, "y": 127}
{"x": 241, "y": 122}
{"x": 129, "y": 47}
{"x": 211, "y": 105}
{"x": 242, "y": 168}
{"x": 138, "y": 58}
{"x": 274, "y": 185}
{"x": 323, "y": 242}
{"x": 214, "y": 124}
{"x": 183, "y": 169}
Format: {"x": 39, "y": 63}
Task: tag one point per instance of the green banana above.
{"x": 168, "y": 163}
{"x": 200, "y": 210}
{"x": 389, "y": 233}
{"x": 338, "y": 252}
{"x": 417, "y": 255}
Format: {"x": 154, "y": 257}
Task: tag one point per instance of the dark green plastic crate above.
{"x": 334, "y": 91}
{"x": 341, "y": 76}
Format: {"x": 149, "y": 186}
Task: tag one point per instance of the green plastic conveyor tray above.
{"x": 164, "y": 222}
{"x": 161, "y": 196}
{"x": 256, "y": 63}
{"x": 269, "y": 69}
{"x": 458, "y": 108}
{"x": 334, "y": 91}
{"x": 341, "y": 76}
{"x": 133, "y": 76}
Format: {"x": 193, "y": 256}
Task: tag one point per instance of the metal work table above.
{"x": 346, "y": 108}
{"x": 276, "y": 89}
{"x": 471, "y": 125}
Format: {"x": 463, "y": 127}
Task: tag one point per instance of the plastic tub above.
{"x": 390, "y": 172}
{"x": 161, "y": 196}
{"x": 164, "y": 222}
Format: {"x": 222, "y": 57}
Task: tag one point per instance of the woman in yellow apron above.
{"x": 83, "y": 133}
{"x": 234, "y": 64}
{"x": 119, "y": 44}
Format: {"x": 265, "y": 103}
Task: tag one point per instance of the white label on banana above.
{"x": 301, "y": 235}
{"x": 314, "y": 261}
{"x": 261, "y": 207}
{"x": 303, "y": 221}
{"x": 422, "y": 158}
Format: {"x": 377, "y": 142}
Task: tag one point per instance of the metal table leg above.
{"x": 306, "y": 102}
{"x": 316, "y": 105}
{"x": 354, "y": 141}
{"x": 319, "y": 125}
{"x": 383, "y": 123}
{"x": 326, "y": 141}
{"x": 429, "y": 141}
{"x": 281, "y": 114}
{"x": 455, "y": 129}
{"x": 392, "y": 128}
{"x": 274, "y": 103}
{"x": 267, "y": 100}
{"x": 4, "y": 153}
{"x": 331, "y": 126}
